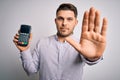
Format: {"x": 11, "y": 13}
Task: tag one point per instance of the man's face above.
{"x": 65, "y": 22}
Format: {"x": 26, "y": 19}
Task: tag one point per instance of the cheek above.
{"x": 72, "y": 26}
{"x": 71, "y": 29}
{"x": 58, "y": 24}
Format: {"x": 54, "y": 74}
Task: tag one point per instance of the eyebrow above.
{"x": 63, "y": 17}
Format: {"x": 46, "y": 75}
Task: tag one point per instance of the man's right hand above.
{"x": 21, "y": 48}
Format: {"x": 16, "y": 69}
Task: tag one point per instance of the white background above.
{"x": 40, "y": 15}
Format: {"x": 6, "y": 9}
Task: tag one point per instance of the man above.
{"x": 61, "y": 56}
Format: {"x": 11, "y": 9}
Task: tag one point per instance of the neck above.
{"x": 62, "y": 38}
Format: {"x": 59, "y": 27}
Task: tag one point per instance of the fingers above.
{"x": 30, "y": 39}
{"x": 97, "y": 22}
{"x": 91, "y": 19}
{"x": 15, "y": 40}
{"x": 91, "y": 22}
{"x": 85, "y": 22}
{"x": 104, "y": 27}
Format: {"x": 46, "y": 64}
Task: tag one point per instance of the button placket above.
{"x": 61, "y": 50}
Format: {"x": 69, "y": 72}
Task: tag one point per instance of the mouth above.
{"x": 63, "y": 29}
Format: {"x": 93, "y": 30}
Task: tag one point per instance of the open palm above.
{"x": 93, "y": 39}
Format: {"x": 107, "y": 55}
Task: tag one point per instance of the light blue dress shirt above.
{"x": 54, "y": 60}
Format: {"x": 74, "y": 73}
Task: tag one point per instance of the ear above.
{"x": 55, "y": 20}
{"x": 76, "y": 22}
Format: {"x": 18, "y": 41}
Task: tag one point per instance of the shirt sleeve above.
{"x": 30, "y": 61}
{"x": 91, "y": 62}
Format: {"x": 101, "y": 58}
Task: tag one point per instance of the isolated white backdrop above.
{"x": 40, "y": 15}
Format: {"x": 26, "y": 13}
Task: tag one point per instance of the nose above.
{"x": 64, "y": 22}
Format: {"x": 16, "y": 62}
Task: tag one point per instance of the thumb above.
{"x": 73, "y": 43}
{"x": 30, "y": 39}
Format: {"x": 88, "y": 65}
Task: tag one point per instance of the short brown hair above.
{"x": 68, "y": 6}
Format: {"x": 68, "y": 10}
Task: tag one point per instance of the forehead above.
{"x": 65, "y": 13}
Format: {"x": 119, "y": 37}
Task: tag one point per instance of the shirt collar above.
{"x": 56, "y": 37}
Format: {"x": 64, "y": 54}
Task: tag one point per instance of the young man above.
{"x": 61, "y": 56}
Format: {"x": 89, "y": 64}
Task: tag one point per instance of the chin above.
{"x": 63, "y": 35}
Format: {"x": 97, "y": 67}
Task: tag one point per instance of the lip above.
{"x": 64, "y": 28}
